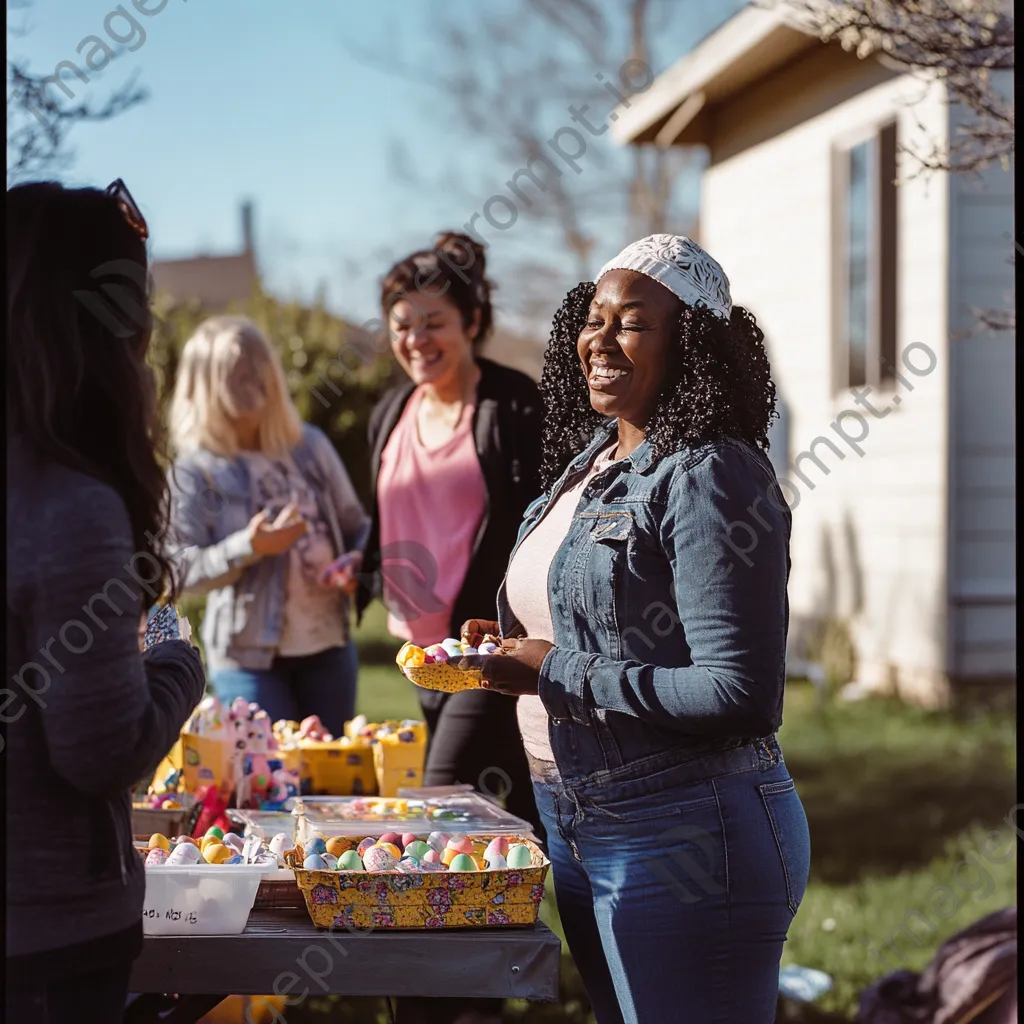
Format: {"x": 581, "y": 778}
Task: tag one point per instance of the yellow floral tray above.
{"x": 444, "y": 677}
{"x": 391, "y": 900}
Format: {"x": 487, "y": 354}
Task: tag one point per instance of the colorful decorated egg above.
{"x": 431, "y": 857}
{"x": 407, "y": 838}
{"x": 495, "y": 862}
{"x": 314, "y": 845}
{"x": 487, "y": 648}
{"x": 337, "y": 845}
{"x": 519, "y": 856}
{"x": 416, "y": 848}
{"x": 365, "y": 845}
{"x": 184, "y": 854}
{"x": 390, "y": 837}
{"x": 461, "y": 844}
{"x": 159, "y": 841}
{"x": 237, "y": 859}
{"x": 462, "y": 862}
{"x": 215, "y": 830}
{"x": 350, "y": 861}
{"x": 377, "y": 858}
{"x": 217, "y": 853}
{"x": 498, "y": 845}
{"x": 314, "y": 862}
{"x": 156, "y": 856}
{"x": 390, "y": 847}
{"x": 437, "y": 840}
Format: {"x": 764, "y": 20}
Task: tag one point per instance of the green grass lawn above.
{"x": 900, "y": 804}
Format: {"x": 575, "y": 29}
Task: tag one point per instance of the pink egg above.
{"x": 431, "y": 857}
{"x": 156, "y": 856}
{"x": 461, "y": 844}
{"x": 392, "y": 837}
{"x": 498, "y": 845}
{"x": 365, "y": 845}
{"x": 407, "y": 838}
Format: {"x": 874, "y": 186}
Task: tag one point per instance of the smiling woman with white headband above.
{"x": 648, "y": 656}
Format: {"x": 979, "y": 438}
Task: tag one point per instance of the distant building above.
{"x": 908, "y": 536}
{"x": 214, "y": 281}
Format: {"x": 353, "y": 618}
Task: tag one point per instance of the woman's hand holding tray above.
{"x": 437, "y": 667}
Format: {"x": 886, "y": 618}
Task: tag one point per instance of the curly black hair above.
{"x": 719, "y": 385}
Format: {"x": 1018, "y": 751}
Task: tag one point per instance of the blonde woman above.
{"x": 263, "y": 516}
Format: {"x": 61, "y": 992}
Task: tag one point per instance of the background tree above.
{"x": 965, "y": 43}
{"x": 38, "y": 125}
{"x": 508, "y": 72}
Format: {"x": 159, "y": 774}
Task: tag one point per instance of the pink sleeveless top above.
{"x": 433, "y": 500}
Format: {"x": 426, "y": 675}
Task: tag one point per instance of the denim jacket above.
{"x": 670, "y": 634}
{"x": 212, "y": 502}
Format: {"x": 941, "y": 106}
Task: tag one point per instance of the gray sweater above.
{"x": 85, "y": 714}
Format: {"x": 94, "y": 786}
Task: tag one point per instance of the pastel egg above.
{"x": 178, "y": 840}
{"x": 330, "y": 860}
{"x": 416, "y": 848}
{"x": 337, "y": 845}
{"x": 160, "y": 842}
{"x": 496, "y": 862}
{"x": 519, "y": 856}
{"x": 431, "y": 857}
{"x": 461, "y": 844}
{"x": 437, "y": 840}
{"x": 185, "y": 853}
{"x": 237, "y": 859}
{"x": 365, "y": 845}
{"x": 217, "y": 853}
{"x": 208, "y": 841}
{"x": 440, "y": 655}
{"x": 314, "y": 862}
{"x": 429, "y": 866}
{"x": 462, "y": 862}
{"x": 498, "y": 845}
{"x": 156, "y": 856}
{"x": 408, "y": 866}
{"x": 314, "y": 845}
{"x": 379, "y": 859}
{"x": 390, "y": 837}
{"x": 407, "y": 838}
{"x": 215, "y": 830}
{"x": 390, "y": 847}
{"x": 470, "y": 650}
{"x": 266, "y": 859}
{"x": 487, "y": 648}
{"x": 449, "y": 855}
{"x": 350, "y": 861}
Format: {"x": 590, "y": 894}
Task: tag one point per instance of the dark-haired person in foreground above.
{"x": 86, "y": 714}
{"x": 649, "y": 659}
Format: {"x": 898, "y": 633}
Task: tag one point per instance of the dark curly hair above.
{"x": 719, "y": 385}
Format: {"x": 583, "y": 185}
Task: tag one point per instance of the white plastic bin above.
{"x": 201, "y": 899}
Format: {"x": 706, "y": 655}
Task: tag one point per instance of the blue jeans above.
{"x": 676, "y": 890}
{"x": 321, "y": 684}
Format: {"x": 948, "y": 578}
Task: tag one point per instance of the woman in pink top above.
{"x": 455, "y": 460}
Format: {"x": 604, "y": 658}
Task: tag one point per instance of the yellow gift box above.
{"x": 399, "y": 762}
{"x": 202, "y": 761}
{"x": 337, "y": 768}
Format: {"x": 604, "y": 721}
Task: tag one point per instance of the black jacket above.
{"x": 507, "y": 429}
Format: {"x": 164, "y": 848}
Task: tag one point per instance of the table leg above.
{"x": 151, "y": 1008}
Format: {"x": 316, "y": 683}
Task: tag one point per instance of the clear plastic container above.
{"x": 464, "y": 813}
{"x": 265, "y": 824}
{"x": 201, "y": 899}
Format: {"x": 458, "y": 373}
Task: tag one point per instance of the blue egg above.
{"x": 314, "y": 862}
{"x": 315, "y": 845}
{"x": 237, "y": 859}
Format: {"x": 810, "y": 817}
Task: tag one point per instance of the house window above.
{"x": 866, "y": 274}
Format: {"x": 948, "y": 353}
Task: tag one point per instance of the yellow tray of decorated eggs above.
{"x": 436, "y": 667}
{"x": 439, "y": 880}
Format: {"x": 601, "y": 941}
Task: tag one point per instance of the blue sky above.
{"x": 264, "y": 99}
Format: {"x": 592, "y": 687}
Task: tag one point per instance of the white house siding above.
{"x": 869, "y": 538}
{"x": 982, "y": 537}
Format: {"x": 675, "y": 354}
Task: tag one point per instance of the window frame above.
{"x": 883, "y": 299}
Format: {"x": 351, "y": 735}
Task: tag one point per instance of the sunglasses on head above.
{"x": 119, "y": 190}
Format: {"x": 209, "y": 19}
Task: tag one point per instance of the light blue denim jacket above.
{"x": 669, "y": 625}
{"x": 212, "y": 502}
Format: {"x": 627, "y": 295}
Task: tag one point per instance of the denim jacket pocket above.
{"x": 789, "y": 828}
{"x": 598, "y": 571}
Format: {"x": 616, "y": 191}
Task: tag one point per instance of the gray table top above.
{"x": 281, "y": 952}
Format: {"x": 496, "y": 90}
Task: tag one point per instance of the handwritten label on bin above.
{"x": 171, "y": 915}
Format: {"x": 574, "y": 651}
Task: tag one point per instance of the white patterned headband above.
{"x": 682, "y": 266}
